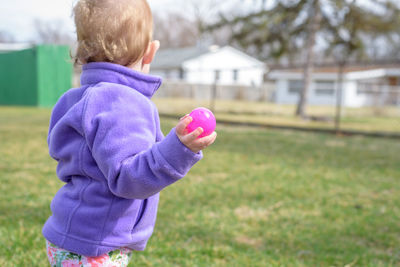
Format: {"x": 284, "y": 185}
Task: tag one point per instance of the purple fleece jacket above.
{"x": 113, "y": 159}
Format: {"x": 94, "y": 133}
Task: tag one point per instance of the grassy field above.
{"x": 258, "y": 198}
{"x": 368, "y": 119}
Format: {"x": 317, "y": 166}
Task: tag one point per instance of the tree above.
{"x": 351, "y": 31}
{"x": 52, "y": 32}
{"x": 291, "y": 28}
{"x": 175, "y": 29}
{"x": 6, "y": 37}
{"x": 185, "y": 31}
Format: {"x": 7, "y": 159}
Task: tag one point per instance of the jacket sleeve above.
{"x": 120, "y": 130}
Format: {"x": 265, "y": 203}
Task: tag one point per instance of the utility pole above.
{"x": 339, "y": 97}
{"x": 214, "y": 90}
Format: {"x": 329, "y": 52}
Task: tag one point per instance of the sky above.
{"x": 17, "y": 16}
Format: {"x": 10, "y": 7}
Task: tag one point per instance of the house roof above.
{"x": 353, "y": 72}
{"x": 335, "y": 69}
{"x": 174, "y": 57}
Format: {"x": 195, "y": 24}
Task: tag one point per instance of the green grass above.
{"x": 258, "y": 198}
{"x": 368, "y": 119}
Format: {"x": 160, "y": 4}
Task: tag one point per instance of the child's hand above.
{"x": 190, "y": 140}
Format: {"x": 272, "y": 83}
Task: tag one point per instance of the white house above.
{"x": 205, "y": 65}
{"x": 362, "y": 85}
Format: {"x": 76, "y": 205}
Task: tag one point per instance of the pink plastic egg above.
{"x": 203, "y": 118}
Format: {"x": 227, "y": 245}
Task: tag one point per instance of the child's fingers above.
{"x": 206, "y": 141}
{"x": 189, "y": 138}
{"x": 184, "y": 117}
{"x": 183, "y": 123}
{"x": 211, "y": 138}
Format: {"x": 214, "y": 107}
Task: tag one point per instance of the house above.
{"x": 367, "y": 85}
{"x": 205, "y": 65}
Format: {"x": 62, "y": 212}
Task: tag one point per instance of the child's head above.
{"x": 116, "y": 31}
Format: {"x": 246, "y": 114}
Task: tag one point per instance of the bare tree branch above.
{"x": 52, "y": 32}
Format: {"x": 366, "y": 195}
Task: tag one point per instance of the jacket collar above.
{"x": 96, "y": 72}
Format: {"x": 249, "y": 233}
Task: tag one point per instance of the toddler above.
{"x": 106, "y": 138}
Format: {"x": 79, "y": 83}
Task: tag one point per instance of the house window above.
{"x": 295, "y": 86}
{"x": 235, "y": 75}
{"x": 324, "y": 88}
{"x": 365, "y": 88}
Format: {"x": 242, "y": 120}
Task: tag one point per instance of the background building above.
{"x": 34, "y": 75}
{"x": 362, "y": 85}
{"x": 205, "y": 65}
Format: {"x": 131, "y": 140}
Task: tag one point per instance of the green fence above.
{"x": 35, "y": 77}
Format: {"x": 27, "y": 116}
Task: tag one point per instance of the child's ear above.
{"x": 151, "y": 52}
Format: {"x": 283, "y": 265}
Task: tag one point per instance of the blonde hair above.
{"x": 116, "y": 31}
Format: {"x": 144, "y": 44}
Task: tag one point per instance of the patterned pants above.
{"x": 59, "y": 257}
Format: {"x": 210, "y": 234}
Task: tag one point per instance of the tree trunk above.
{"x": 308, "y": 70}
{"x": 309, "y": 64}
{"x": 339, "y": 97}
